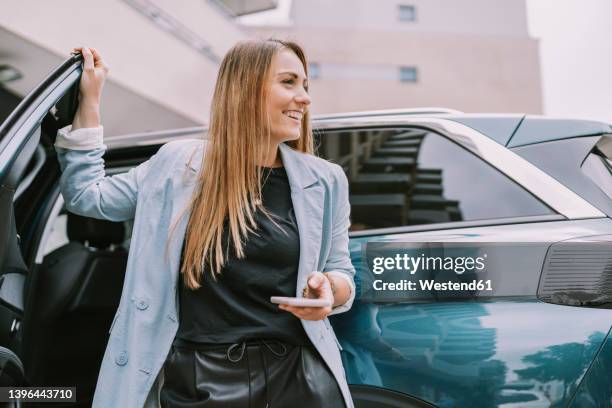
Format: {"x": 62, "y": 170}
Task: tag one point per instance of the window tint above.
{"x": 403, "y": 177}
{"x": 599, "y": 169}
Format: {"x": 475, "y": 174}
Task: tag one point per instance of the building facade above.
{"x": 469, "y": 55}
{"x": 163, "y": 55}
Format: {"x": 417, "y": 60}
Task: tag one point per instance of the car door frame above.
{"x": 20, "y": 136}
{"x": 20, "y": 132}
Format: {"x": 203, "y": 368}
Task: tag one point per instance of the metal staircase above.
{"x": 389, "y": 189}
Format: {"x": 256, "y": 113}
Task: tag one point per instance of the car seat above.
{"x": 70, "y": 302}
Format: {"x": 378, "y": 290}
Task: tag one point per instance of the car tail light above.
{"x": 578, "y": 273}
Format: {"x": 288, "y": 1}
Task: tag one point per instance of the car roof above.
{"x": 510, "y": 130}
{"x": 520, "y": 130}
{"x": 538, "y": 129}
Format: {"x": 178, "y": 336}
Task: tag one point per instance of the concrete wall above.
{"x": 470, "y": 55}
{"x": 481, "y": 17}
{"x": 484, "y": 74}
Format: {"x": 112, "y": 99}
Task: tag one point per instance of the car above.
{"x": 534, "y": 193}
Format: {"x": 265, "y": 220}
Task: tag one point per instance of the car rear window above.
{"x": 599, "y": 169}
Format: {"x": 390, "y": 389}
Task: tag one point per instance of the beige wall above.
{"x": 496, "y": 17}
{"x": 471, "y": 55}
{"x": 482, "y": 74}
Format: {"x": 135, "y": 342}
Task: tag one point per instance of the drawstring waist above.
{"x": 208, "y": 374}
{"x": 235, "y": 352}
{"x": 241, "y": 347}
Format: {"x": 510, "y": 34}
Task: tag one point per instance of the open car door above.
{"x": 23, "y": 135}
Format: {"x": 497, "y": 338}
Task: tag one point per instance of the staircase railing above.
{"x": 360, "y": 151}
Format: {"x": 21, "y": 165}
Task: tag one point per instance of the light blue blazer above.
{"x": 155, "y": 194}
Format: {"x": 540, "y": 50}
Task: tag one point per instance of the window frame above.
{"x": 482, "y": 147}
{"x": 597, "y": 158}
{"x": 553, "y": 215}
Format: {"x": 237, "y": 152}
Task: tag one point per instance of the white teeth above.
{"x": 294, "y": 115}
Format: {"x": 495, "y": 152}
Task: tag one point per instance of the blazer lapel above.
{"x": 184, "y": 181}
{"x": 307, "y": 195}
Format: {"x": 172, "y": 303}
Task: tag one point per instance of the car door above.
{"x": 62, "y": 274}
{"x": 416, "y": 189}
{"x": 22, "y": 174}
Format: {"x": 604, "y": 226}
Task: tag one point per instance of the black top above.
{"x": 237, "y": 306}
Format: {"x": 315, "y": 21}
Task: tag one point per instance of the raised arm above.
{"x": 86, "y": 189}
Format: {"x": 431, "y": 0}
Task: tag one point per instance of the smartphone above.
{"x": 300, "y": 302}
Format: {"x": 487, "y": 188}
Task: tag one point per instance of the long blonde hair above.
{"x": 229, "y": 187}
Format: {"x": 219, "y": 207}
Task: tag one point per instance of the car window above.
{"x": 599, "y": 169}
{"x": 402, "y": 177}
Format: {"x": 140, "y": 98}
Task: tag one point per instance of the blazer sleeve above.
{"x": 84, "y": 185}
{"x": 339, "y": 259}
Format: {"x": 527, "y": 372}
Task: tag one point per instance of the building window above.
{"x": 314, "y": 70}
{"x": 407, "y": 12}
{"x": 408, "y": 74}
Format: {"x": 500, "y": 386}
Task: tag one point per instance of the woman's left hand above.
{"x": 318, "y": 287}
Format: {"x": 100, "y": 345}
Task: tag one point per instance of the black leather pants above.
{"x": 254, "y": 374}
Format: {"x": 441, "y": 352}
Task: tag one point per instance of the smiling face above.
{"x": 288, "y": 99}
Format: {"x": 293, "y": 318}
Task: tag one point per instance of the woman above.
{"x": 219, "y": 227}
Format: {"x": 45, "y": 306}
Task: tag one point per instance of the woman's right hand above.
{"x": 90, "y": 87}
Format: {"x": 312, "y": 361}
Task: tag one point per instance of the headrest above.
{"x": 98, "y": 233}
